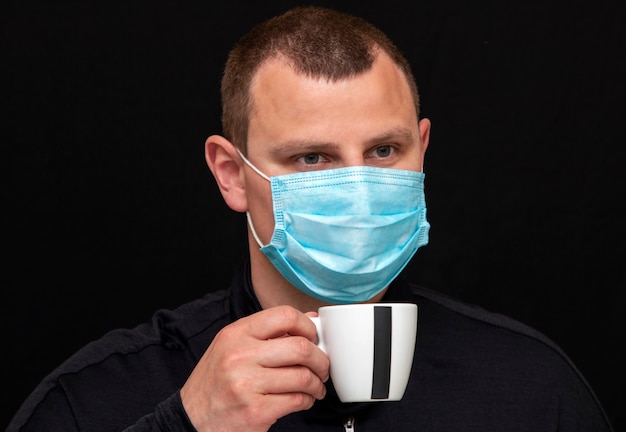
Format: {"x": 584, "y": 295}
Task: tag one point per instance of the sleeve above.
{"x": 168, "y": 416}
{"x": 580, "y": 410}
{"x": 35, "y": 415}
{"x": 54, "y": 413}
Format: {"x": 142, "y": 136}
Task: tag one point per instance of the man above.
{"x": 315, "y": 103}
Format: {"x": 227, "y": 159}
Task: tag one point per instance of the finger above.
{"x": 279, "y": 321}
{"x": 295, "y": 350}
{"x": 291, "y": 379}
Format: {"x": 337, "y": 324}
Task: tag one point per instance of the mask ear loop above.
{"x": 248, "y": 217}
{"x": 254, "y": 234}
{"x": 255, "y": 169}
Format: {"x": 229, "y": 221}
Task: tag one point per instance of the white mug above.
{"x": 370, "y": 347}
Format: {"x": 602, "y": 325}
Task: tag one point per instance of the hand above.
{"x": 257, "y": 370}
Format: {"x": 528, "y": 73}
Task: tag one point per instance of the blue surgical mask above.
{"x": 342, "y": 235}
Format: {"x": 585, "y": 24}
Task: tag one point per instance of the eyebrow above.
{"x": 305, "y": 145}
{"x": 395, "y": 133}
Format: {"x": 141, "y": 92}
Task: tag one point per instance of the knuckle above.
{"x": 302, "y": 346}
{"x": 302, "y": 401}
{"x": 288, "y": 314}
{"x": 227, "y": 333}
{"x": 305, "y": 377}
{"x": 232, "y": 358}
{"x": 239, "y": 386}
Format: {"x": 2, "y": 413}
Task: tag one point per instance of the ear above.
{"x": 424, "y": 130}
{"x": 227, "y": 168}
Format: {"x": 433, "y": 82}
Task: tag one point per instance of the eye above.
{"x": 383, "y": 151}
{"x": 311, "y": 159}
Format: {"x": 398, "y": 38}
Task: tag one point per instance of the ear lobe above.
{"x": 223, "y": 161}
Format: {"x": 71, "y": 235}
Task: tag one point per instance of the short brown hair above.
{"x": 315, "y": 41}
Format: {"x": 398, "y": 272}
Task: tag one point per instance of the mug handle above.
{"x": 320, "y": 338}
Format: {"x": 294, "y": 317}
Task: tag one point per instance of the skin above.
{"x": 265, "y": 366}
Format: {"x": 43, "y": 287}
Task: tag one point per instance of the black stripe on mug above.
{"x": 382, "y": 352}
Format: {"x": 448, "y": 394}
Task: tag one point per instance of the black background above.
{"x": 112, "y": 212}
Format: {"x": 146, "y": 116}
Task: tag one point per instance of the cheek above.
{"x": 259, "y": 197}
{"x": 412, "y": 160}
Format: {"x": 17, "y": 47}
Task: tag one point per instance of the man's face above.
{"x": 303, "y": 124}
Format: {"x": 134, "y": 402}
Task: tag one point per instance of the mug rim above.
{"x": 357, "y": 305}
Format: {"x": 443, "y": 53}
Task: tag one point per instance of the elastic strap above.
{"x": 254, "y": 234}
{"x": 255, "y": 169}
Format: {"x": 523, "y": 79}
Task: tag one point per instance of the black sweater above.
{"x": 473, "y": 371}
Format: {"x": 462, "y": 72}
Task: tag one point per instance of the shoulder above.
{"x": 154, "y": 358}
{"x": 169, "y": 329}
{"x": 469, "y": 350}
{"x": 471, "y": 313}
{"x": 482, "y": 332}
{"x": 494, "y": 345}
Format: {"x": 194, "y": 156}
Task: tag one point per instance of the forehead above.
{"x": 289, "y": 105}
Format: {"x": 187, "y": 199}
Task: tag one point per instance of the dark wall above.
{"x": 112, "y": 212}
